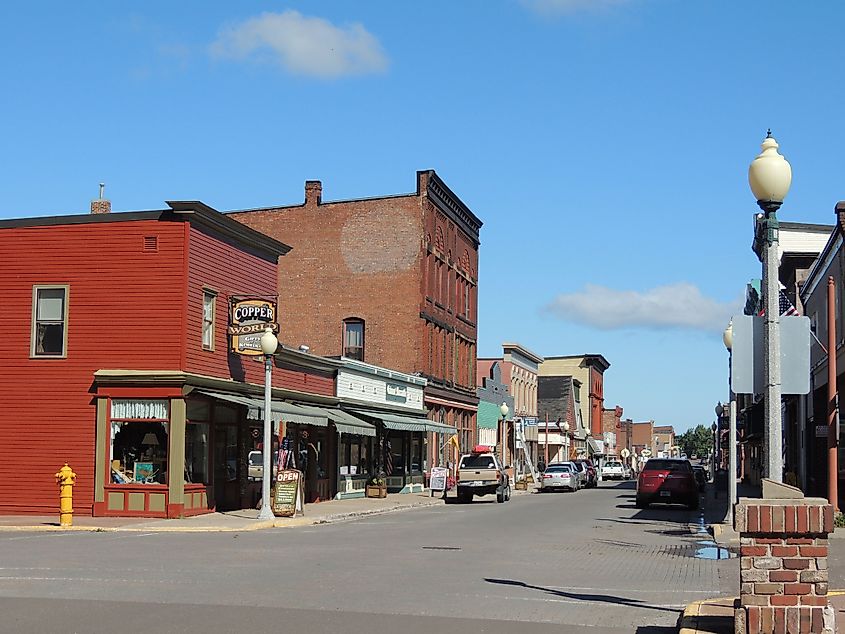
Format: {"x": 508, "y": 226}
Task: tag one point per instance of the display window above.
{"x": 139, "y": 441}
{"x": 196, "y": 453}
{"x": 354, "y": 455}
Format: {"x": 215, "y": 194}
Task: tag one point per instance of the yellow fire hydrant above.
{"x": 65, "y": 478}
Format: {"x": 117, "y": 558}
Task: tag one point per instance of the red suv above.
{"x": 667, "y": 480}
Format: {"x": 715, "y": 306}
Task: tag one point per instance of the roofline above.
{"x": 805, "y": 226}
{"x": 586, "y": 357}
{"x": 536, "y": 358}
{"x": 323, "y": 203}
{"x": 193, "y": 211}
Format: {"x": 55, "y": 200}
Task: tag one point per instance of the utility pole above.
{"x": 832, "y": 399}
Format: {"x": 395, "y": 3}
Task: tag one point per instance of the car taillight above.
{"x": 546, "y": 476}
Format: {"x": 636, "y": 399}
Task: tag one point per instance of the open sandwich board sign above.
{"x": 288, "y": 493}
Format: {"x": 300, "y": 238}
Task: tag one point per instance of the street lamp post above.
{"x": 565, "y": 441}
{"x": 728, "y": 339}
{"x": 770, "y": 176}
{"x": 713, "y": 428}
{"x": 504, "y": 409}
{"x": 269, "y": 343}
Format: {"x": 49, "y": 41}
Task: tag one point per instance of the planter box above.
{"x": 376, "y": 491}
{"x": 522, "y": 485}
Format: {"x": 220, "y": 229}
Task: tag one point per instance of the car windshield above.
{"x": 667, "y": 465}
{"x": 478, "y": 462}
{"x": 613, "y": 464}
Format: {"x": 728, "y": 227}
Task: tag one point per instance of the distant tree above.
{"x": 696, "y": 441}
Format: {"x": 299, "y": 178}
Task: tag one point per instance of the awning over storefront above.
{"x": 344, "y": 422}
{"x": 408, "y": 423}
{"x": 279, "y": 410}
{"x": 596, "y": 446}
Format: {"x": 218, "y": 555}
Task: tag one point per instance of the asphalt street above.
{"x": 539, "y": 563}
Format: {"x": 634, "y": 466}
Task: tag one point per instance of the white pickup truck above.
{"x": 613, "y": 470}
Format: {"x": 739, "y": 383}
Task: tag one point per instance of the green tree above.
{"x": 697, "y": 441}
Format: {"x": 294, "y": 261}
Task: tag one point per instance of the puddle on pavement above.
{"x": 710, "y": 550}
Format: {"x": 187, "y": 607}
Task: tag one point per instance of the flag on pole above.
{"x": 784, "y": 306}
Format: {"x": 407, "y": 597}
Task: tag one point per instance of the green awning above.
{"x": 279, "y": 410}
{"x": 344, "y": 422}
{"x": 408, "y": 423}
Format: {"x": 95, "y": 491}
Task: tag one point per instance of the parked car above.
{"x": 613, "y": 470}
{"x": 581, "y": 469}
{"x": 558, "y": 476}
{"x": 669, "y": 481}
{"x": 700, "y": 474}
{"x": 481, "y": 473}
{"x": 591, "y": 478}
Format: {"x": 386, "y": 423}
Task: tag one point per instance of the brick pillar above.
{"x": 783, "y": 565}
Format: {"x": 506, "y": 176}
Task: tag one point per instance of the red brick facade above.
{"x": 405, "y": 265}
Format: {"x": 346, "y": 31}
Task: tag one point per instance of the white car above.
{"x": 613, "y": 471}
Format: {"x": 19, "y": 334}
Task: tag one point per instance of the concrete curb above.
{"x": 253, "y": 525}
{"x": 715, "y": 616}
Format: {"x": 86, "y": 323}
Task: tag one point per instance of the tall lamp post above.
{"x": 770, "y": 176}
{"x": 728, "y": 340}
{"x": 269, "y": 343}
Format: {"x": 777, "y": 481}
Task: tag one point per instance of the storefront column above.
{"x": 176, "y": 458}
{"x": 103, "y": 436}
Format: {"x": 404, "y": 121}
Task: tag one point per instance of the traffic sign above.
{"x": 625, "y": 453}
{"x": 645, "y": 453}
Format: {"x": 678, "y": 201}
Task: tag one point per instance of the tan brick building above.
{"x": 391, "y": 281}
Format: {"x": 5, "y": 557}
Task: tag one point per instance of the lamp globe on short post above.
{"x": 770, "y": 176}
{"x": 269, "y": 344}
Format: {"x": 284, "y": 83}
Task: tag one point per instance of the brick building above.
{"x": 390, "y": 280}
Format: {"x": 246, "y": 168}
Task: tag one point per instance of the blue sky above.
{"x": 604, "y": 143}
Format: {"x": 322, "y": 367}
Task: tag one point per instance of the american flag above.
{"x": 785, "y": 306}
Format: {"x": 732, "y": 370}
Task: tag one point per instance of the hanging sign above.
{"x": 248, "y": 319}
{"x": 287, "y": 496}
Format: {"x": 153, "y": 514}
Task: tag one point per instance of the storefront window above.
{"x": 196, "y": 453}
{"x": 394, "y": 455}
{"x": 138, "y": 449}
{"x": 354, "y": 453}
{"x": 416, "y": 454}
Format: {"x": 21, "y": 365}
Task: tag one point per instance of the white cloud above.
{"x": 674, "y": 306}
{"x": 302, "y": 45}
{"x": 560, "y": 7}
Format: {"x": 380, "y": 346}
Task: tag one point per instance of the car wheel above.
{"x": 500, "y": 497}
{"x": 641, "y": 503}
{"x": 693, "y": 504}
{"x": 464, "y": 498}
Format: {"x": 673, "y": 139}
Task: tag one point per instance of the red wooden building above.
{"x": 115, "y": 359}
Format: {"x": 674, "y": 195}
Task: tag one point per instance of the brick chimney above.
{"x": 101, "y": 205}
{"x": 313, "y": 193}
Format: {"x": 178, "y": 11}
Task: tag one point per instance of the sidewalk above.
{"x": 236, "y": 521}
{"x": 716, "y": 616}
{"x": 233, "y": 521}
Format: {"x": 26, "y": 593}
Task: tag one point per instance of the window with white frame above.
{"x": 353, "y": 339}
{"x": 209, "y": 312}
{"x": 49, "y": 321}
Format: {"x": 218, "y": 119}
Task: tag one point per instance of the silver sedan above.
{"x": 560, "y": 476}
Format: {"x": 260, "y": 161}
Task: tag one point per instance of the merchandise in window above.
{"x": 139, "y": 441}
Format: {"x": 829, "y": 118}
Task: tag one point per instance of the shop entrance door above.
{"x": 226, "y": 465}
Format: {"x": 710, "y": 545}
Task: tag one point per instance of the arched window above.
{"x": 353, "y": 339}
